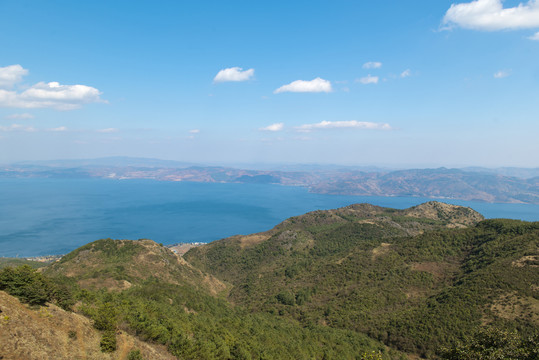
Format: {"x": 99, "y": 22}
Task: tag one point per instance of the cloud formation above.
{"x": 534, "y": 37}
{"x": 23, "y": 116}
{"x": 313, "y": 86}
{"x": 273, "y": 127}
{"x": 107, "y": 130}
{"x": 194, "y": 131}
{"x": 369, "y": 79}
{"x": 58, "y": 129}
{"x": 12, "y": 74}
{"x": 233, "y": 74}
{"x": 372, "y": 65}
{"x": 490, "y": 15}
{"x": 43, "y": 95}
{"x": 406, "y": 73}
{"x": 342, "y": 125}
{"x": 17, "y": 127}
{"x": 501, "y": 74}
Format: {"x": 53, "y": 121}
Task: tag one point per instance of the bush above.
{"x": 26, "y": 284}
{"x": 108, "y": 341}
{"x": 286, "y": 298}
{"x": 492, "y": 343}
{"x": 134, "y": 355}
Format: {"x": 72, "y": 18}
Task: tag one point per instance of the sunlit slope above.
{"x": 142, "y": 288}
{"x": 322, "y": 235}
{"x": 416, "y": 279}
{"x": 118, "y": 264}
{"x": 49, "y": 332}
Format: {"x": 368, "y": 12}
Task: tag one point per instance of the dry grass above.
{"x": 511, "y": 306}
{"x": 52, "y": 333}
{"x": 530, "y": 260}
{"x": 250, "y": 240}
{"x": 439, "y": 270}
{"x": 380, "y": 250}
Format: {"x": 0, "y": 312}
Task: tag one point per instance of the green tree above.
{"x": 108, "y": 341}
{"x": 494, "y": 344}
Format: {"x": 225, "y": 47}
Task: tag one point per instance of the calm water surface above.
{"x": 55, "y": 216}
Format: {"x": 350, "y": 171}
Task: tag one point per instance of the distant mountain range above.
{"x": 507, "y": 185}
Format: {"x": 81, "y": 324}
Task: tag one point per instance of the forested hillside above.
{"x": 360, "y": 282}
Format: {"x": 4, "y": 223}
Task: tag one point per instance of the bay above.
{"x": 55, "y": 216}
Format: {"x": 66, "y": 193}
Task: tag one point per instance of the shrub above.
{"x": 135, "y": 355}
{"x": 108, "y": 341}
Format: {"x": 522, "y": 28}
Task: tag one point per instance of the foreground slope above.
{"x": 50, "y": 332}
{"x": 142, "y": 288}
{"x": 416, "y": 279}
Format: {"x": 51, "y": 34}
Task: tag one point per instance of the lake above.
{"x": 55, "y": 216}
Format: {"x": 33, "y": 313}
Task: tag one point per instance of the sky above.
{"x": 387, "y": 83}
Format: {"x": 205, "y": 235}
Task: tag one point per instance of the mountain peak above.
{"x": 458, "y": 216}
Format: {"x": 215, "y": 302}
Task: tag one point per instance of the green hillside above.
{"x": 360, "y": 282}
{"x": 143, "y": 288}
{"x": 415, "y": 279}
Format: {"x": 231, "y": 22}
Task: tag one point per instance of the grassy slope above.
{"x": 52, "y": 333}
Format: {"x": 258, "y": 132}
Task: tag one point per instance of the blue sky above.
{"x": 395, "y": 83}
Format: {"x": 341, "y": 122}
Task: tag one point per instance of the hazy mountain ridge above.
{"x": 474, "y": 184}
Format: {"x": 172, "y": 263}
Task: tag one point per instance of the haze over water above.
{"x": 55, "y": 216}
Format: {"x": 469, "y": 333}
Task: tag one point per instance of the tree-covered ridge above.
{"x": 193, "y": 324}
{"x": 361, "y": 268}
{"x": 118, "y": 264}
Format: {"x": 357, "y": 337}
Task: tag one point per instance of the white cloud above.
{"x": 43, "y": 95}
{"x": 273, "y": 127}
{"x": 194, "y": 131}
{"x": 17, "y": 127}
{"x": 372, "y": 65}
{"x": 534, "y": 37}
{"x": 233, "y": 74}
{"x": 406, "y": 73}
{"x": 501, "y": 74}
{"x": 344, "y": 124}
{"x": 58, "y": 129}
{"x": 23, "y": 116}
{"x": 313, "y": 86}
{"x": 12, "y": 74}
{"x": 107, "y": 130}
{"x": 369, "y": 79}
{"x": 50, "y": 95}
{"x": 490, "y": 15}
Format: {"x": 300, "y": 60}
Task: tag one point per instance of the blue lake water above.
{"x": 55, "y": 216}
